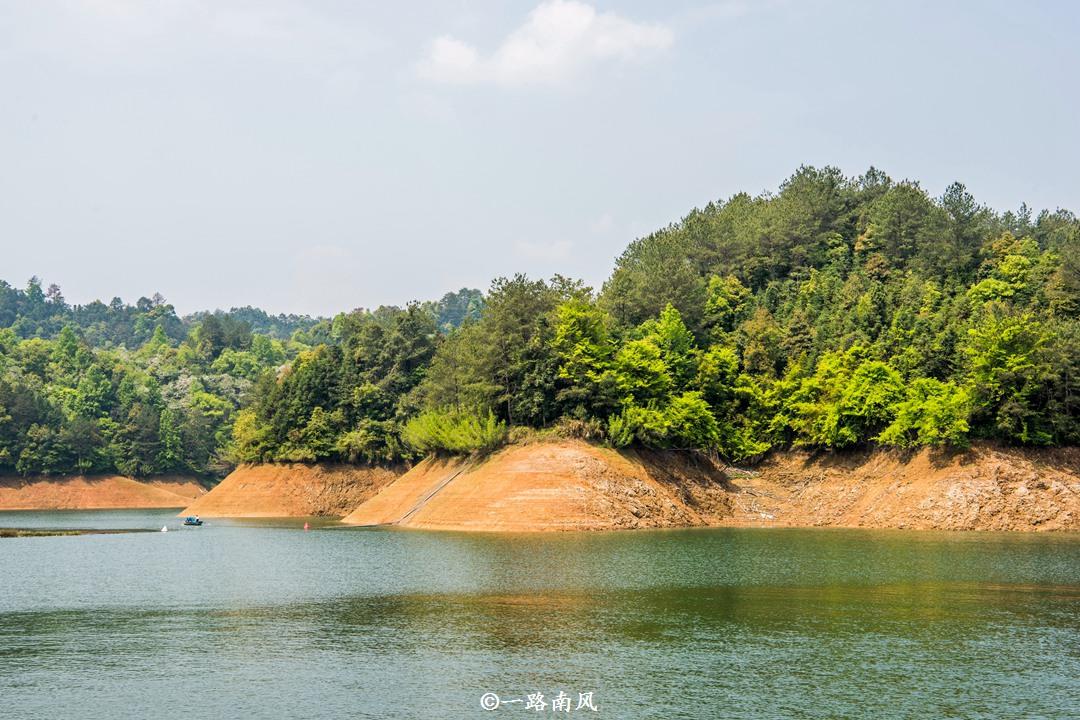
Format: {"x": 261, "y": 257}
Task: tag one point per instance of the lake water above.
{"x": 265, "y": 620}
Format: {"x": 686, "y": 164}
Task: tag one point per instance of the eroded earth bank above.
{"x": 572, "y": 485}
{"x": 576, "y": 486}
{"x": 106, "y": 492}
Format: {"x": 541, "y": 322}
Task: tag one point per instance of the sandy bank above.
{"x": 292, "y": 490}
{"x": 576, "y": 486}
{"x": 96, "y": 493}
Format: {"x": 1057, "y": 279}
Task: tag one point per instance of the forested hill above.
{"x": 138, "y": 390}
{"x": 837, "y": 312}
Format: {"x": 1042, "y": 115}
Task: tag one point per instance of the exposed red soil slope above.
{"x": 292, "y": 490}
{"x": 565, "y": 485}
{"x": 98, "y": 492}
{"x": 396, "y": 500}
{"x": 984, "y": 488}
{"x": 572, "y": 485}
{"x": 185, "y": 487}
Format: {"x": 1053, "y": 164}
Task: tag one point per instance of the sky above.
{"x": 318, "y": 156}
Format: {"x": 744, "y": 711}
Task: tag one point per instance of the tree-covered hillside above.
{"x": 138, "y": 390}
{"x": 837, "y": 312}
{"x": 94, "y": 398}
{"x": 834, "y": 313}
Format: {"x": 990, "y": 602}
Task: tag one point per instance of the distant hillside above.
{"x": 137, "y": 390}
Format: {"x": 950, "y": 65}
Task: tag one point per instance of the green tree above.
{"x": 1012, "y": 375}
{"x": 584, "y": 349}
{"x": 932, "y": 413}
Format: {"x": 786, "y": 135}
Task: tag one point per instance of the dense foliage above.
{"x": 345, "y": 400}
{"x": 117, "y": 388}
{"x": 838, "y": 312}
{"x": 861, "y": 310}
{"x": 138, "y": 390}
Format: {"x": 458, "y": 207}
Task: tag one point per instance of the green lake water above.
{"x": 264, "y": 620}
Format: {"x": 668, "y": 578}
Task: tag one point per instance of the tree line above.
{"x": 837, "y": 312}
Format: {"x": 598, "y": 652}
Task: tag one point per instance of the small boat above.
{"x": 192, "y": 520}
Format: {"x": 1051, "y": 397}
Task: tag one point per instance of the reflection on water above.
{"x": 263, "y": 619}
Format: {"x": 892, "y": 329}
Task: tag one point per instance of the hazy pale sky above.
{"x": 323, "y": 155}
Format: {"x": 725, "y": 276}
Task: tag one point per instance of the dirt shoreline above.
{"x": 983, "y": 488}
{"x": 101, "y": 492}
{"x": 292, "y": 490}
{"x": 576, "y": 486}
{"x": 572, "y": 485}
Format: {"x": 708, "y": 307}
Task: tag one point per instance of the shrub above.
{"x": 686, "y": 422}
{"x": 454, "y": 431}
{"x": 371, "y": 441}
{"x": 646, "y": 426}
{"x": 589, "y": 429}
{"x": 692, "y": 424}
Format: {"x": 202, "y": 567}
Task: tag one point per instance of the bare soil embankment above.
{"x": 96, "y": 492}
{"x": 551, "y": 486}
{"x": 572, "y": 485}
{"x": 984, "y": 488}
{"x": 292, "y": 490}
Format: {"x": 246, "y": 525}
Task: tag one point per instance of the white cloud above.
{"x": 559, "y": 39}
{"x": 450, "y": 59}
